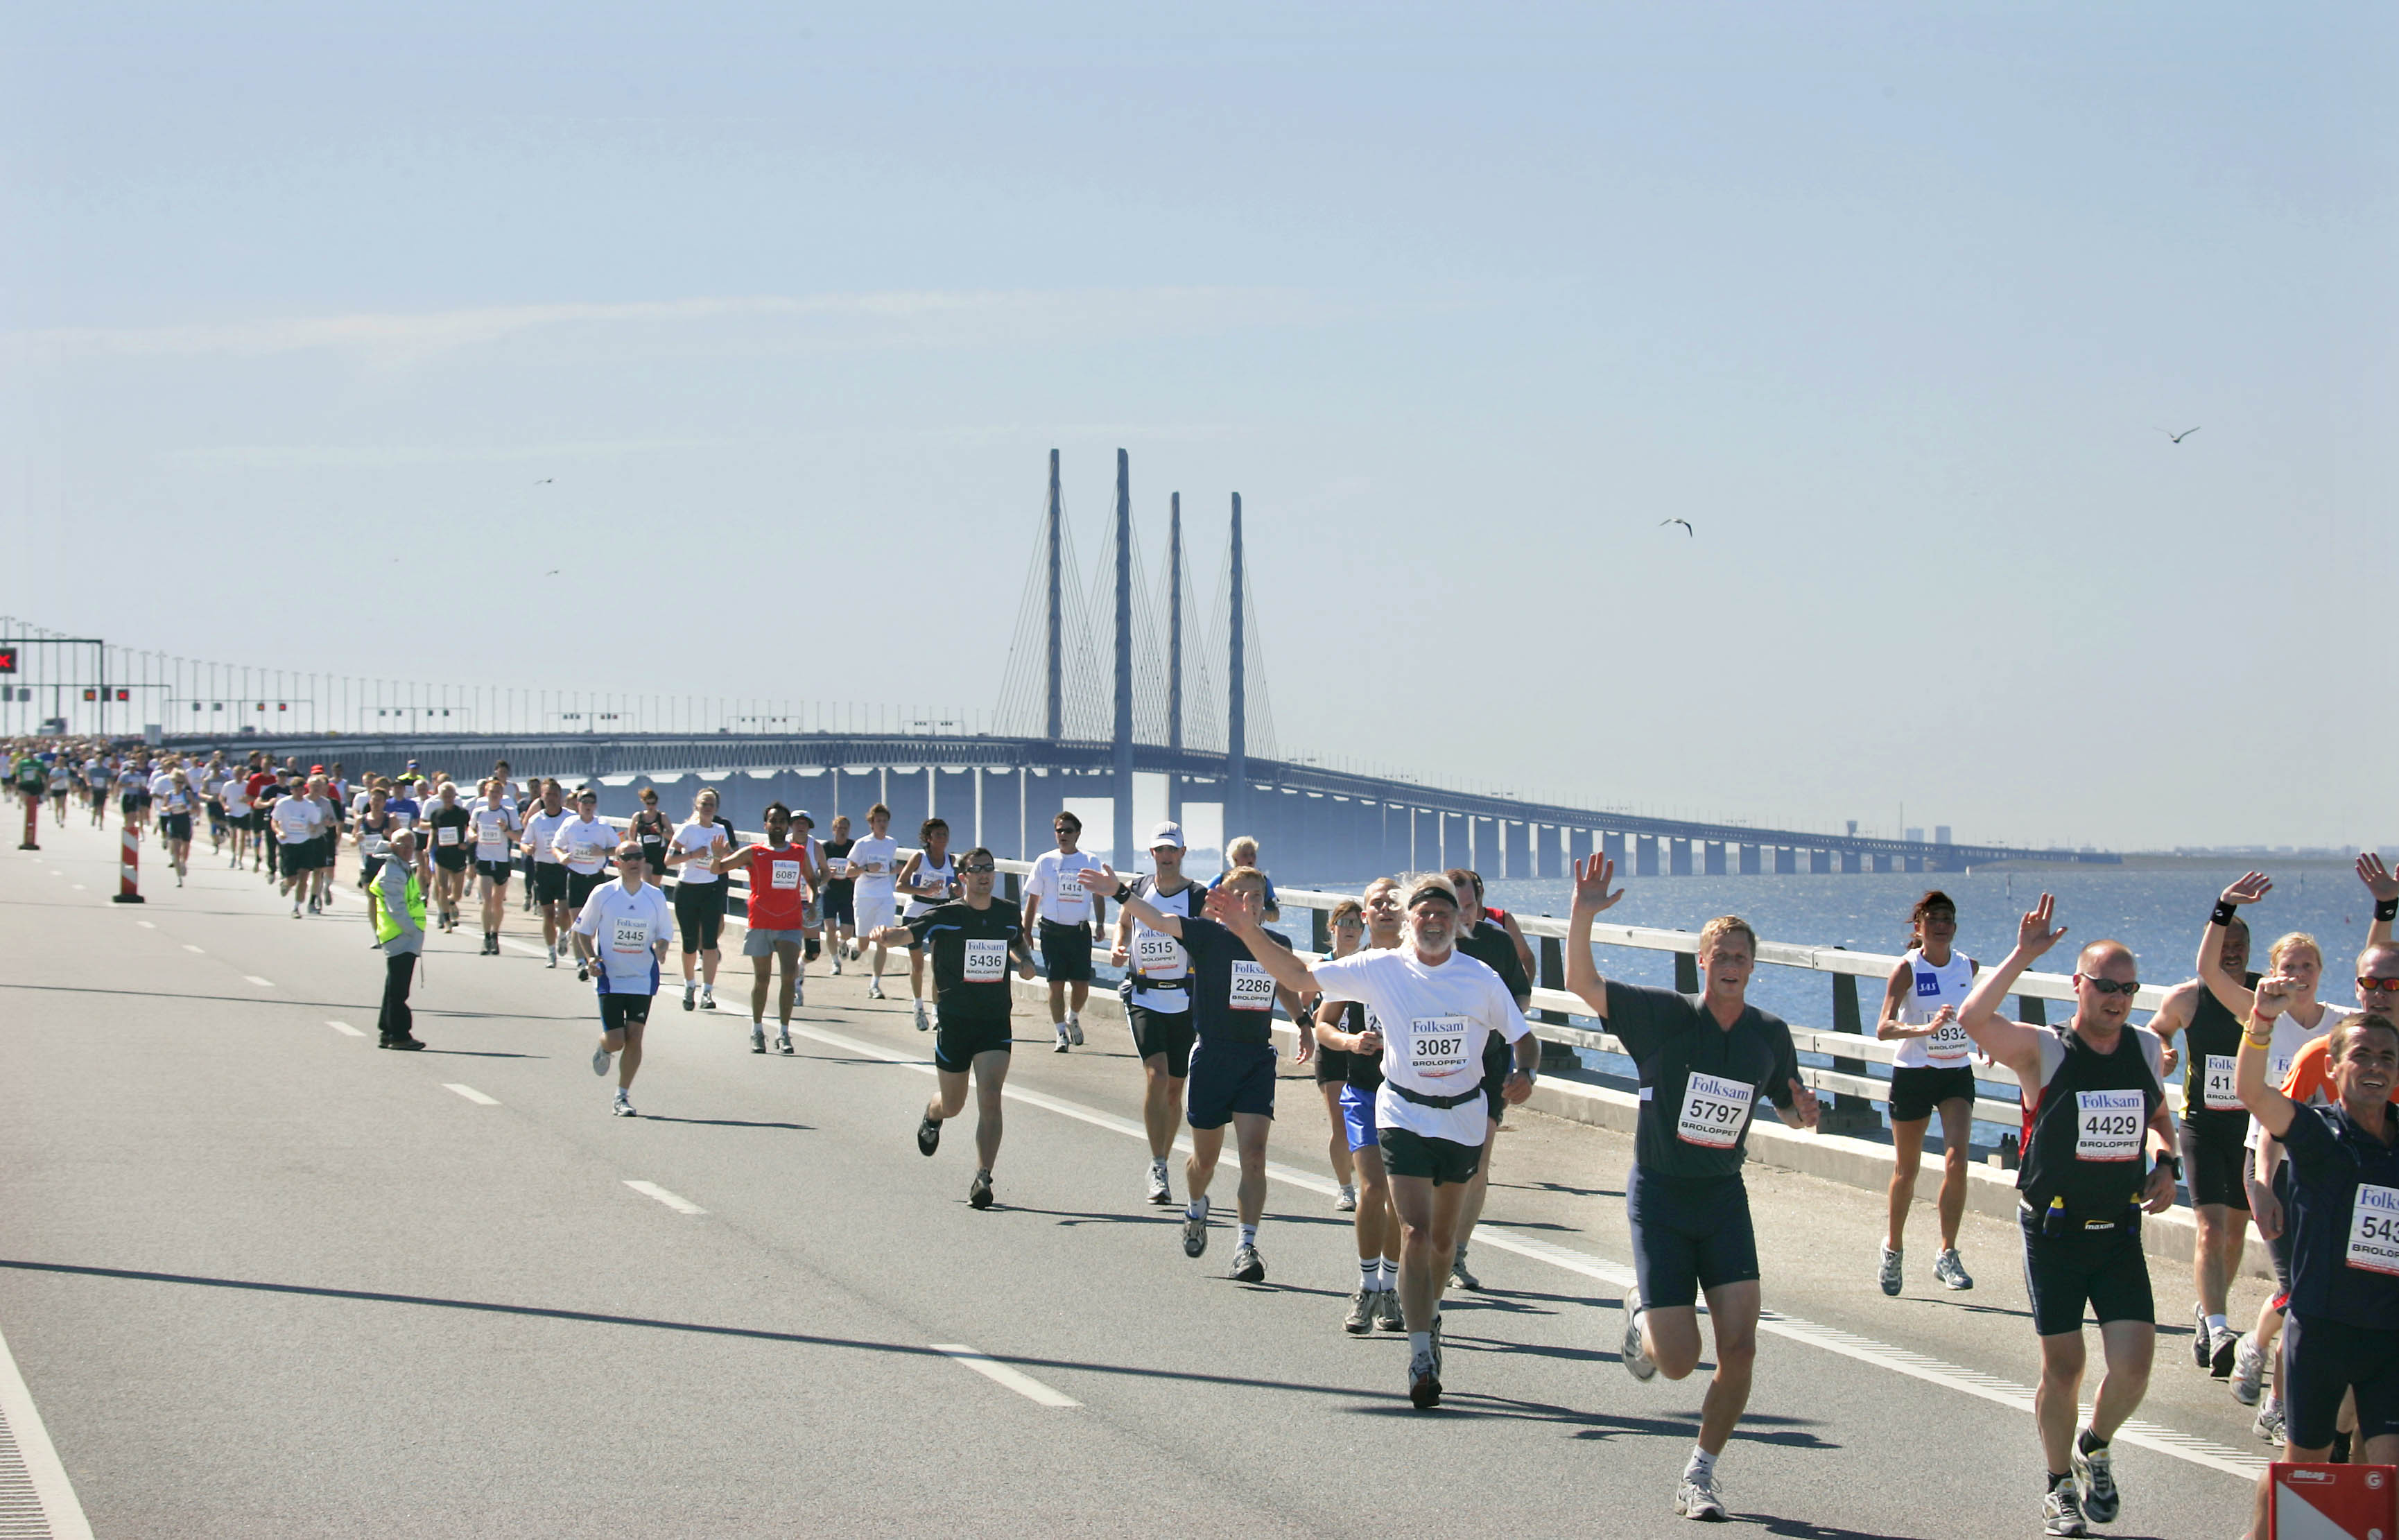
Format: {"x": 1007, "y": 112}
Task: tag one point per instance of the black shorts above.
{"x": 1689, "y": 1234}
{"x": 450, "y": 857}
{"x": 1407, "y": 1153}
{"x": 1065, "y": 952}
{"x": 175, "y": 826}
{"x": 1166, "y": 1031}
{"x": 835, "y": 902}
{"x": 2322, "y": 1361}
{"x": 1332, "y": 1065}
{"x": 581, "y": 886}
{"x": 2214, "y": 1159}
{"x": 1229, "y": 1078}
{"x": 548, "y": 882}
{"x": 320, "y": 853}
{"x": 699, "y": 913}
{"x": 2105, "y": 1269}
{"x": 2278, "y": 1245}
{"x": 497, "y": 871}
{"x": 132, "y": 803}
{"x": 619, "y": 1011}
{"x": 957, "y": 1042}
{"x": 1916, "y": 1091}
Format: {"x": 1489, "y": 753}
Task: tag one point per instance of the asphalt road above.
{"x": 263, "y": 1279}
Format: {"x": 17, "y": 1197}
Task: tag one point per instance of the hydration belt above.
{"x": 1460, "y": 1100}
{"x": 2078, "y": 1222}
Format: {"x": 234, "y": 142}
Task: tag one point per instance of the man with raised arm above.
{"x": 1436, "y": 1007}
{"x": 1705, "y": 1061}
{"x": 2091, "y": 1088}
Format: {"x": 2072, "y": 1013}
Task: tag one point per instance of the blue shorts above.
{"x": 1358, "y": 1116}
{"x": 1229, "y": 1078}
{"x": 1689, "y": 1234}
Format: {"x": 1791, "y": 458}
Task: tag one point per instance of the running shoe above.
{"x": 1248, "y": 1266}
{"x": 836, "y": 963}
{"x": 783, "y": 1043}
{"x": 1159, "y": 1193}
{"x": 1436, "y": 1341}
{"x": 554, "y": 958}
{"x": 1360, "y": 1320}
{"x": 1887, "y": 1276}
{"x": 2061, "y": 1512}
{"x": 1949, "y": 1270}
{"x": 929, "y": 1135}
{"x": 623, "y": 1108}
{"x": 1195, "y": 1230}
{"x": 923, "y": 1023}
{"x": 1346, "y": 1200}
{"x": 2269, "y": 1425}
{"x": 757, "y": 1040}
{"x": 979, "y": 1190}
{"x": 874, "y": 988}
{"x": 707, "y": 997}
{"x": 2094, "y": 1475}
{"x": 2198, "y": 1349}
{"x": 1063, "y": 1043}
{"x": 1075, "y": 1028}
{"x": 1637, "y": 1361}
{"x": 690, "y": 997}
{"x": 2225, "y": 1351}
{"x": 599, "y": 1057}
{"x": 1387, "y": 1315}
{"x": 1696, "y": 1497}
{"x": 1424, "y": 1383}
{"x": 1460, "y": 1276}
{"x": 2248, "y": 1372}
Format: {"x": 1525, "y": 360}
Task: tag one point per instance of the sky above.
{"x": 783, "y": 308}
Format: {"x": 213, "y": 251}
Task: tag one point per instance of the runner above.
{"x": 624, "y": 927}
{"x": 1345, "y": 925}
{"x": 322, "y": 853}
{"x": 376, "y": 826}
{"x": 1157, "y": 993}
{"x": 2343, "y": 1337}
{"x": 133, "y": 795}
{"x": 1930, "y": 1073}
{"x": 874, "y": 865}
{"x": 698, "y": 897}
{"x": 2215, "y": 1156}
{"x": 2090, "y": 1088}
{"x": 175, "y": 809}
{"x": 296, "y": 818}
{"x": 650, "y": 828}
{"x": 1342, "y": 1028}
{"x": 780, "y": 878}
{"x": 61, "y": 776}
{"x": 1437, "y": 1006}
{"x": 97, "y": 778}
{"x": 1232, "y": 1066}
{"x": 448, "y": 821}
{"x": 1490, "y": 943}
{"x": 495, "y": 828}
{"x": 972, "y": 939}
{"x": 547, "y": 885}
{"x": 803, "y": 830}
{"x": 1058, "y": 912}
{"x": 1240, "y": 851}
{"x": 583, "y": 845}
{"x": 927, "y": 881}
{"x": 837, "y": 902}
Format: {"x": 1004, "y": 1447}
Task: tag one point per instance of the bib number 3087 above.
{"x": 1714, "y": 1111}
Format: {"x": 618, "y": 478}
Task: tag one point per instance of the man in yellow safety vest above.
{"x": 396, "y": 899}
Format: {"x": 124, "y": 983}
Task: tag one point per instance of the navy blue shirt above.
{"x": 1232, "y": 994}
{"x": 2341, "y": 1242}
{"x": 1700, "y": 1083}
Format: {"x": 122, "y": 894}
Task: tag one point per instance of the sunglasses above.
{"x": 633, "y": 861}
{"x": 2370, "y": 986}
{"x": 2109, "y": 986}
{"x": 978, "y": 871}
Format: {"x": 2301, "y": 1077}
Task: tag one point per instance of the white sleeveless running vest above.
{"x": 1950, "y": 1048}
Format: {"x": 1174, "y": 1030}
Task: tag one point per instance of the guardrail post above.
{"x": 1849, "y": 1113}
{"x": 2032, "y": 1011}
{"x": 1687, "y": 973}
{"x": 1015, "y": 889}
{"x": 1320, "y": 931}
{"x": 1556, "y": 1058}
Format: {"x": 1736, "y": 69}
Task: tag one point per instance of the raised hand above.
{"x": 2033, "y": 933}
{"x": 1116, "y": 885}
{"x": 1592, "y": 875}
{"x": 2275, "y": 993}
{"x": 2377, "y": 881}
{"x": 1222, "y": 905}
{"x": 2249, "y": 889}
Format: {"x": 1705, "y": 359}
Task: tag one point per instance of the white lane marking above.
{"x": 55, "y": 1495}
{"x": 57, "y": 874}
{"x": 471, "y": 1094}
{"x": 1015, "y": 1379}
{"x": 145, "y": 925}
{"x": 188, "y": 947}
{"x": 651, "y": 1189}
{"x": 79, "y": 887}
{"x": 1899, "y": 1360}
{"x": 344, "y": 1028}
{"x": 261, "y": 983}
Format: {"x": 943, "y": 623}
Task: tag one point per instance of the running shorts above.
{"x": 2278, "y": 1244}
{"x": 699, "y": 914}
{"x": 838, "y": 908}
{"x": 2214, "y": 1159}
{"x": 1229, "y": 1078}
{"x": 761, "y": 943}
{"x": 1916, "y": 1092}
{"x": 2105, "y": 1269}
{"x": 450, "y": 857}
{"x": 132, "y": 803}
{"x": 548, "y": 882}
{"x": 1157, "y": 1032}
{"x": 2323, "y": 1359}
{"x": 1407, "y": 1153}
{"x": 175, "y": 826}
{"x": 1332, "y": 1064}
{"x": 1689, "y": 1234}
{"x": 581, "y": 886}
{"x": 1065, "y": 952}
{"x": 497, "y": 872}
{"x": 1358, "y": 1116}
{"x": 619, "y": 1011}
{"x": 955, "y": 1043}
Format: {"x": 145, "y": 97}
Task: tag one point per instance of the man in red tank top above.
{"x": 782, "y": 881}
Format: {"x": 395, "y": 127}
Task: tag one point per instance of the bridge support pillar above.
{"x": 1549, "y": 858}
{"x": 1786, "y": 860}
{"x": 1852, "y": 864}
{"x": 1578, "y": 845}
{"x": 1714, "y": 856}
{"x": 1820, "y": 862}
{"x": 1645, "y": 854}
{"x": 1753, "y": 859}
{"x": 1612, "y": 846}
{"x": 1678, "y": 857}
{"x": 1516, "y": 849}
{"x": 1886, "y": 863}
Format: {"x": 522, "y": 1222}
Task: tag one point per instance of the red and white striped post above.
{"x": 33, "y": 820}
{"x": 128, "y": 870}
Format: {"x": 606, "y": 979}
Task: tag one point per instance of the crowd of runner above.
{"x": 1415, "y": 1021}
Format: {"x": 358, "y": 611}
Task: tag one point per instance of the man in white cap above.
{"x": 1157, "y": 998}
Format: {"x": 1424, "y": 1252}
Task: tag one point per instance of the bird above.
{"x": 2178, "y": 438}
{"x": 552, "y": 573}
{"x": 545, "y": 481}
{"x": 1685, "y": 523}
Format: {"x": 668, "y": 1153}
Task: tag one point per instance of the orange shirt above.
{"x": 2310, "y": 1077}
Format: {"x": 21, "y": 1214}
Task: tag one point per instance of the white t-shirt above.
{"x": 160, "y": 782}
{"x": 296, "y": 819}
{"x": 1433, "y": 1021}
{"x": 625, "y": 929}
{"x": 493, "y": 827}
{"x": 1058, "y": 882}
{"x": 2289, "y": 1039}
{"x": 584, "y": 844}
{"x": 541, "y": 828}
{"x": 236, "y": 793}
{"x": 1948, "y": 1048}
{"x": 698, "y": 838}
{"x": 876, "y": 862}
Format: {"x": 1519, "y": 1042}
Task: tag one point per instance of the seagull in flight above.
{"x": 1685, "y": 523}
{"x": 552, "y": 573}
{"x": 2178, "y": 438}
{"x": 548, "y": 480}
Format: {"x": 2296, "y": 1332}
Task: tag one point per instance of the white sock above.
{"x": 1391, "y": 1275}
{"x": 1157, "y": 1163}
{"x": 1249, "y": 1235}
{"x": 1701, "y": 1463}
{"x": 1420, "y": 1344}
{"x": 1370, "y": 1276}
{"x": 1196, "y": 1209}
{"x": 2215, "y": 1324}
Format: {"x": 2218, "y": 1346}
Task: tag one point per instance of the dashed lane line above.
{"x": 680, "y": 1205}
{"x": 1015, "y": 1379}
{"x": 188, "y": 947}
{"x": 471, "y": 1094}
{"x": 345, "y": 1029}
{"x": 261, "y": 983}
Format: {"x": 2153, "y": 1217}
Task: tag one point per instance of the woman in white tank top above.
{"x": 928, "y": 879}
{"x": 1932, "y": 1070}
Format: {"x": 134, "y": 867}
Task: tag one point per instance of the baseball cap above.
{"x": 801, "y": 814}
{"x": 1168, "y": 832}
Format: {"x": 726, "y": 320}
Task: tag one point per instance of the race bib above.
{"x": 986, "y": 962}
{"x": 1156, "y": 955}
{"x": 2374, "y": 1229}
{"x": 783, "y": 875}
{"x": 492, "y": 833}
{"x": 1437, "y": 1045}
{"x": 446, "y": 834}
{"x": 586, "y": 854}
{"x": 2108, "y": 1125}
{"x": 403, "y": 821}
{"x": 1948, "y": 1041}
{"x": 1070, "y": 887}
{"x": 630, "y": 936}
{"x": 840, "y": 866}
{"x": 875, "y": 869}
{"x": 1714, "y": 1111}
{"x": 1252, "y": 986}
{"x": 2215, "y": 1090}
